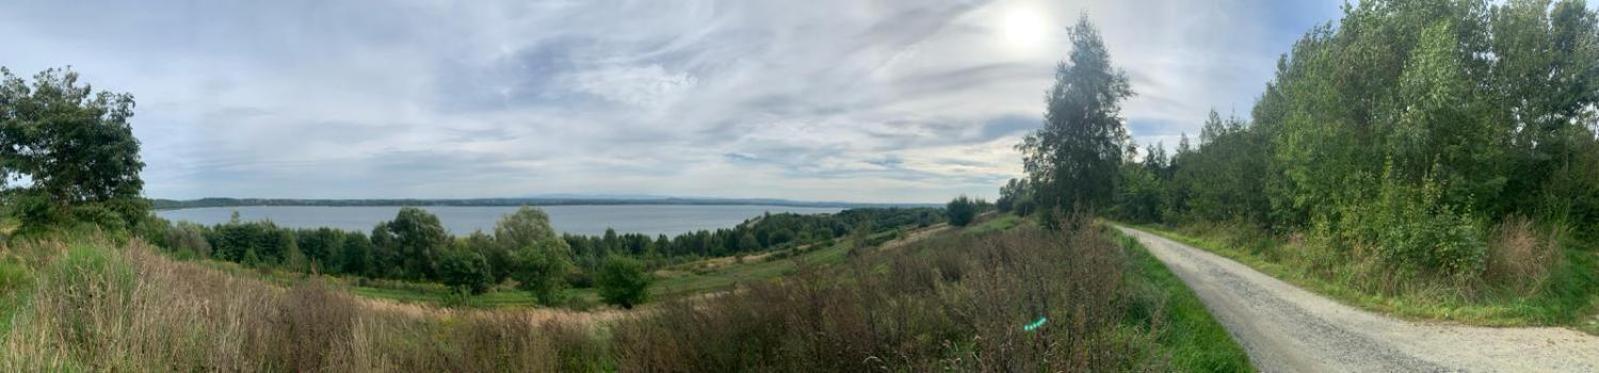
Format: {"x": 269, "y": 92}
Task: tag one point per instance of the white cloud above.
{"x": 650, "y": 87}
{"x": 829, "y": 99}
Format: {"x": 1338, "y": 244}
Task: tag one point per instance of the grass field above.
{"x": 1571, "y": 297}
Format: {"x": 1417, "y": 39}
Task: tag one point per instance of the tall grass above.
{"x": 93, "y": 308}
{"x": 957, "y": 303}
{"x": 954, "y": 302}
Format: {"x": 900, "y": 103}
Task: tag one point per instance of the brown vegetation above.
{"x": 1520, "y": 258}
{"x": 957, "y": 303}
{"x": 133, "y": 310}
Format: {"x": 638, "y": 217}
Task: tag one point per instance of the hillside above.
{"x": 953, "y": 300}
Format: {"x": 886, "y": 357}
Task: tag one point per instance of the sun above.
{"x": 1023, "y": 28}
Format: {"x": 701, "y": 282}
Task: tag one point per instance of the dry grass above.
{"x": 133, "y": 310}
{"x": 957, "y": 303}
{"x": 1520, "y": 258}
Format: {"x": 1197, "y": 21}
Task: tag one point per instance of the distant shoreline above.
{"x": 167, "y": 204}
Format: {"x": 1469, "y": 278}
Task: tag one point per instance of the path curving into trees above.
{"x": 1287, "y": 329}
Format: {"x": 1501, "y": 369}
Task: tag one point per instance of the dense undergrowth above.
{"x": 955, "y": 301}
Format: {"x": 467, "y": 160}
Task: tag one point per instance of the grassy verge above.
{"x": 1570, "y": 297}
{"x": 1195, "y": 340}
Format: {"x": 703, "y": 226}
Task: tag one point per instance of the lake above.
{"x": 582, "y": 219}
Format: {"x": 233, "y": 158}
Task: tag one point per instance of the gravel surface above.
{"x": 1287, "y": 329}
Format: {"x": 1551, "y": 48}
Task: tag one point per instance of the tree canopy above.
{"x": 1407, "y": 126}
{"x": 67, "y": 151}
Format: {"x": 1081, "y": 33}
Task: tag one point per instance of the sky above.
{"x": 836, "y": 100}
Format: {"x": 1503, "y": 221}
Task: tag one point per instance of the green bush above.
{"x": 465, "y": 271}
{"x": 623, "y": 282}
{"x": 1419, "y": 231}
{"x": 542, "y": 273}
{"x": 962, "y": 210}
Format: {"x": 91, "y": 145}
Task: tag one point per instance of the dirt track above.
{"x": 1287, "y": 329}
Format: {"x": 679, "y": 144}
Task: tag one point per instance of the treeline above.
{"x": 765, "y": 232}
{"x": 1406, "y": 134}
{"x": 413, "y": 247}
{"x": 522, "y": 247}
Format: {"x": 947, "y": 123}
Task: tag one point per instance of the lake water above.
{"x": 587, "y": 220}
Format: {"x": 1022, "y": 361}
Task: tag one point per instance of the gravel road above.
{"x": 1287, "y": 329}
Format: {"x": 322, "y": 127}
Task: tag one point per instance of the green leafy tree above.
{"x": 1073, "y": 160}
{"x": 75, "y": 148}
{"x": 465, "y": 271}
{"x": 532, "y": 253}
{"x": 623, "y": 282}
{"x": 358, "y": 257}
{"x": 414, "y": 240}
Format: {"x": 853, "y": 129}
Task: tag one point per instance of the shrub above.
{"x": 187, "y": 236}
{"x": 623, "y": 282}
{"x": 962, "y": 210}
{"x": 465, "y": 271}
{"x": 542, "y": 273}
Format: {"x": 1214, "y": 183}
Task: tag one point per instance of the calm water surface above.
{"x": 589, "y": 220}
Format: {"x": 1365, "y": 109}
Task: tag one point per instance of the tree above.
{"x": 623, "y": 282}
{"x": 358, "y": 257}
{"x": 1016, "y": 197}
{"x": 415, "y": 239}
{"x": 75, "y": 148}
{"x": 465, "y": 271}
{"x": 961, "y": 211}
{"x": 533, "y": 254}
{"x": 1073, "y": 160}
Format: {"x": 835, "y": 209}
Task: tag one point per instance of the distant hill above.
{"x": 562, "y": 200}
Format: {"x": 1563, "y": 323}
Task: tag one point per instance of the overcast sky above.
{"x": 849, "y": 100}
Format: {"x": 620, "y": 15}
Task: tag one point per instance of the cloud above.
{"x": 649, "y": 87}
{"x": 828, "y": 99}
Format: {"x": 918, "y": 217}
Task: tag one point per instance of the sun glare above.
{"x": 1023, "y": 28}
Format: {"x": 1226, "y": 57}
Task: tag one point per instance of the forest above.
{"x": 1408, "y": 146}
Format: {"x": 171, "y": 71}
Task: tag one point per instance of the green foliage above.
{"x": 962, "y": 210}
{"x": 528, "y": 250}
{"x": 1415, "y": 230}
{"x": 1140, "y": 195}
{"x": 1073, "y": 160}
{"x": 623, "y": 281}
{"x": 542, "y": 273}
{"x": 465, "y": 271}
{"x": 1399, "y": 135}
{"x": 75, "y": 148}
{"x": 1016, "y": 196}
{"x": 13, "y": 274}
{"x": 413, "y": 241}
